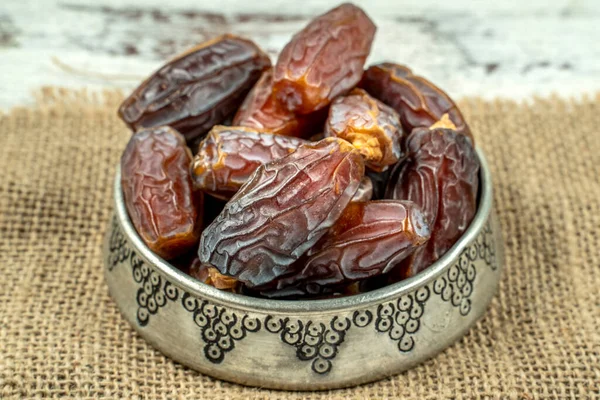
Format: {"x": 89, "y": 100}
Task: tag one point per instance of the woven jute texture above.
{"x": 62, "y": 336}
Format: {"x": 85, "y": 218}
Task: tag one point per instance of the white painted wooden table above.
{"x": 513, "y": 49}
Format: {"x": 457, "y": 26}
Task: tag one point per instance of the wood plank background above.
{"x": 510, "y": 49}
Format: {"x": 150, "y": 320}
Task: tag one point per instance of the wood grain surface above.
{"x": 512, "y": 49}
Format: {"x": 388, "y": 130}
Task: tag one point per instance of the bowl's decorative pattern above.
{"x": 317, "y": 342}
{"x": 401, "y": 319}
{"x": 219, "y": 328}
{"x": 154, "y": 290}
{"x": 456, "y": 286}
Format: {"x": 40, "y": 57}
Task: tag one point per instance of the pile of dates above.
{"x": 310, "y": 178}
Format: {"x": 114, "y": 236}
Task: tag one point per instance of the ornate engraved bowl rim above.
{"x": 298, "y": 307}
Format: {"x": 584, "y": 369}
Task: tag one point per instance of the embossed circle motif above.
{"x": 220, "y": 328}
{"x": 315, "y": 342}
{"x": 154, "y": 291}
{"x": 117, "y": 246}
{"x": 401, "y": 319}
{"x": 456, "y": 286}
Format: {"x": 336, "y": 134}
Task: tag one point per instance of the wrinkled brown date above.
{"x": 211, "y": 276}
{"x": 369, "y": 239}
{"x": 418, "y": 101}
{"x": 198, "y": 89}
{"x": 323, "y": 60}
{"x": 365, "y": 190}
{"x": 371, "y": 126}
{"x": 157, "y": 190}
{"x": 282, "y": 211}
{"x": 228, "y": 156}
{"x": 441, "y": 176}
{"x": 263, "y": 112}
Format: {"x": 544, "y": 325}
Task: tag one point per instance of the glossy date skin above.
{"x": 369, "y": 239}
{"x": 260, "y": 110}
{"x": 323, "y": 60}
{"x": 158, "y": 192}
{"x": 282, "y": 211}
{"x": 371, "y": 126}
{"x": 228, "y": 156}
{"x": 198, "y": 89}
{"x": 365, "y": 190}
{"x": 441, "y": 176}
{"x": 418, "y": 101}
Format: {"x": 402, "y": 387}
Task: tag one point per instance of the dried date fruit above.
{"x": 282, "y": 211}
{"x": 418, "y": 101}
{"x": 323, "y": 60}
{"x": 365, "y": 190}
{"x": 229, "y": 155}
{"x": 211, "y": 276}
{"x": 369, "y": 239}
{"x": 158, "y": 192}
{"x": 198, "y": 89}
{"x": 440, "y": 174}
{"x": 263, "y": 112}
{"x": 371, "y": 126}
{"x": 444, "y": 122}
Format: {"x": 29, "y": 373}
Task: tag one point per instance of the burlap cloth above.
{"x": 61, "y": 334}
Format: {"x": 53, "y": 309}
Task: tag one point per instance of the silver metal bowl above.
{"x": 308, "y": 344}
